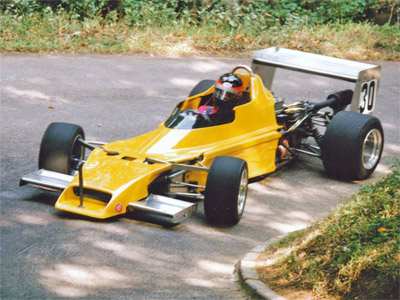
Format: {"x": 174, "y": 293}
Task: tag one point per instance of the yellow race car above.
{"x": 212, "y": 157}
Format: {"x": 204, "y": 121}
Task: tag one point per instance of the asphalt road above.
{"x": 46, "y": 254}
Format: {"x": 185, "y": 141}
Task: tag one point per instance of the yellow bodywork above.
{"x": 124, "y": 178}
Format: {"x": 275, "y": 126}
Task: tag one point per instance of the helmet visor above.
{"x": 225, "y": 93}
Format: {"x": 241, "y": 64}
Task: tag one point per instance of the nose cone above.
{"x": 109, "y": 184}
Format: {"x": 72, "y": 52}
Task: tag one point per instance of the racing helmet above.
{"x": 228, "y": 90}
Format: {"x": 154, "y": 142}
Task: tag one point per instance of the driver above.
{"x": 227, "y": 92}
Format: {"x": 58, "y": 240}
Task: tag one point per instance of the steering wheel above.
{"x": 248, "y": 69}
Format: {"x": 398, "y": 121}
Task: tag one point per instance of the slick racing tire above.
{"x": 201, "y": 87}
{"x": 60, "y": 149}
{"x": 226, "y": 190}
{"x": 352, "y": 145}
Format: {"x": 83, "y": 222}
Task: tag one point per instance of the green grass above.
{"x": 60, "y": 32}
{"x": 352, "y": 254}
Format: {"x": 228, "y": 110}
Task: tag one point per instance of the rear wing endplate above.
{"x": 365, "y": 76}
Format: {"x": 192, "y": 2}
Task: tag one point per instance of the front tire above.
{"x": 60, "y": 149}
{"x": 226, "y": 190}
{"x": 352, "y": 145}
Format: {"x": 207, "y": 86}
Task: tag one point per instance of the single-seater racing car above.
{"x": 201, "y": 153}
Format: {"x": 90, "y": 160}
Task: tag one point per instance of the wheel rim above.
{"x": 372, "y": 148}
{"x": 242, "y": 192}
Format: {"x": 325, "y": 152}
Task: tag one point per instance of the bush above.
{"x": 183, "y": 27}
{"x": 224, "y": 13}
{"x": 353, "y": 253}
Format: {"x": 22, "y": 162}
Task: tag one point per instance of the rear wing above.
{"x": 365, "y": 76}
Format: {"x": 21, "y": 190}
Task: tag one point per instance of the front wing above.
{"x": 173, "y": 209}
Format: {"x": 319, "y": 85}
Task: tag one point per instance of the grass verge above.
{"x": 60, "y": 32}
{"x": 351, "y": 254}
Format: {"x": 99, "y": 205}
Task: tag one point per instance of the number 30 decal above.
{"x": 367, "y": 96}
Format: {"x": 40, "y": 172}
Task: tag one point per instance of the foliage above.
{"x": 62, "y": 32}
{"x": 231, "y": 13}
{"x": 354, "y": 253}
{"x": 178, "y": 27}
{"x": 351, "y": 11}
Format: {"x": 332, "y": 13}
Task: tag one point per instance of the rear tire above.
{"x": 352, "y": 145}
{"x": 201, "y": 87}
{"x": 60, "y": 148}
{"x": 226, "y": 190}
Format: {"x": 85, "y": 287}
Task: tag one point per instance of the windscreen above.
{"x": 192, "y": 119}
